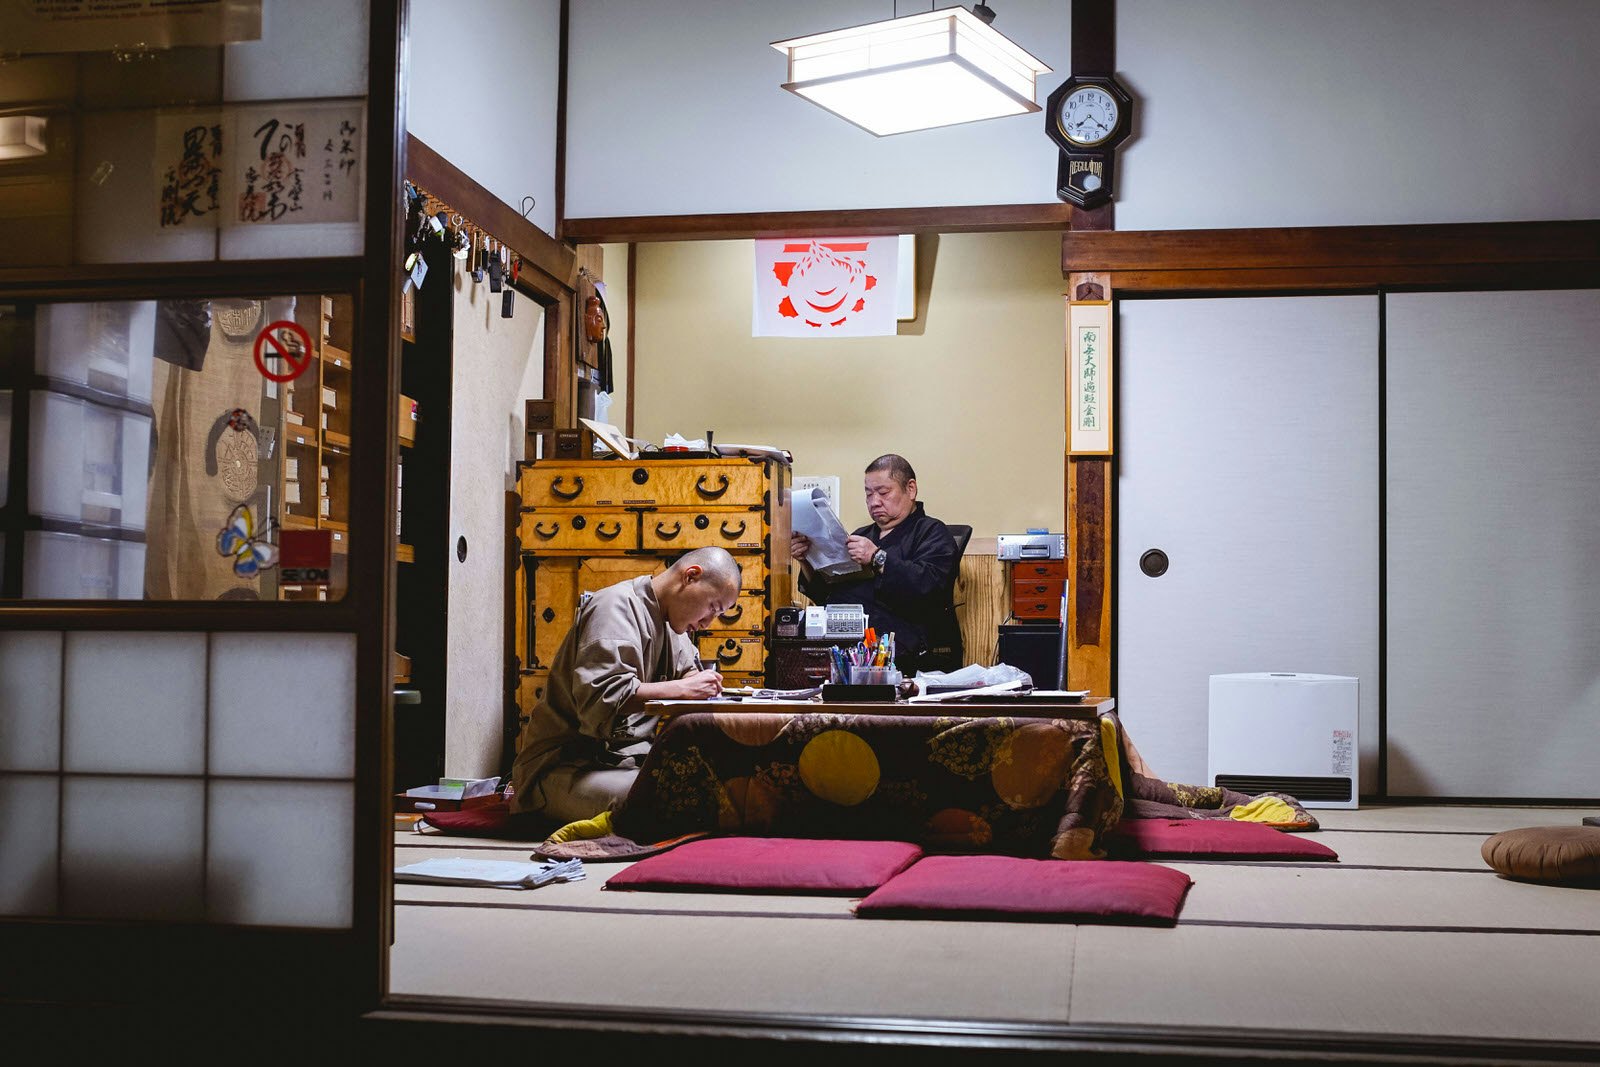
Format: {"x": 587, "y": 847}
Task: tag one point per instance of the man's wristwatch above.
{"x": 879, "y": 558}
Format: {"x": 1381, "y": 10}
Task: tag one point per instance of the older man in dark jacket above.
{"x": 913, "y": 567}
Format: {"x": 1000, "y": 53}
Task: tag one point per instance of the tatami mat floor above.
{"x": 1409, "y": 935}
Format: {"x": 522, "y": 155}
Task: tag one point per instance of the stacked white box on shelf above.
{"x": 87, "y": 462}
{"x": 62, "y": 566}
{"x": 105, "y": 346}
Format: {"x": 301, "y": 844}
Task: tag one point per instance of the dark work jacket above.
{"x": 914, "y": 597}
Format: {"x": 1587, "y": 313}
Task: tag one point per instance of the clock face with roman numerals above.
{"x": 1088, "y": 115}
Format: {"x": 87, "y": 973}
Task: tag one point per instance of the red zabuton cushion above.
{"x": 1195, "y": 838}
{"x": 771, "y": 865}
{"x": 1009, "y": 887}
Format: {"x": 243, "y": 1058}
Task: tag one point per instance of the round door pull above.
{"x": 556, "y": 490}
{"x": 579, "y": 522}
{"x": 1154, "y": 562}
{"x": 640, "y": 476}
{"x": 702, "y": 521}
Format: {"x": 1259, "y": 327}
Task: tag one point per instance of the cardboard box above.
{"x": 408, "y": 420}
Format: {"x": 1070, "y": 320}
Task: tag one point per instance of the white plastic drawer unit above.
{"x": 64, "y": 566}
{"x": 105, "y": 346}
{"x": 87, "y": 462}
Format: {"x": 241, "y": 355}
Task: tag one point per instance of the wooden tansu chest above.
{"x": 587, "y": 524}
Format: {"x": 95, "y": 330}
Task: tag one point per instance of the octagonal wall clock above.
{"x": 1088, "y": 116}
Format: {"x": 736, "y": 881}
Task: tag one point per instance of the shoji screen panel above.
{"x": 1247, "y": 437}
{"x": 178, "y": 776}
{"x": 1493, "y": 544}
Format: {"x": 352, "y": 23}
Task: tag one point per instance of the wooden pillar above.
{"x": 1089, "y": 527}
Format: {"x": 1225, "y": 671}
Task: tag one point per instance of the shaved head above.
{"x": 717, "y": 564}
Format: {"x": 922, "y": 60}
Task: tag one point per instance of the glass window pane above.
{"x": 278, "y": 854}
{"x": 135, "y": 702}
{"x": 309, "y": 680}
{"x": 28, "y": 835}
{"x": 181, "y": 449}
{"x": 30, "y": 702}
{"x": 133, "y": 848}
{"x": 145, "y": 153}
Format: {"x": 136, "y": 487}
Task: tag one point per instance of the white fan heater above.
{"x": 1286, "y": 733}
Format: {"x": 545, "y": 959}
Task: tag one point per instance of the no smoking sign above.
{"x": 283, "y": 351}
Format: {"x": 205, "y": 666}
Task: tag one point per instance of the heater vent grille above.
{"x": 1301, "y": 787}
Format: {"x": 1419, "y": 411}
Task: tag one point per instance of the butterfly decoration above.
{"x": 246, "y": 543}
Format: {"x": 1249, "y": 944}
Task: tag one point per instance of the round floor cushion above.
{"x": 1567, "y": 854}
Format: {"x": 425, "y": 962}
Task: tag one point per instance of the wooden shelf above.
{"x": 304, "y": 436}
{"x": 335, "y": 357}
{"x": 291, "y": 521}
{"x": 333, "y": 524}
{"x": 335, "y": 440}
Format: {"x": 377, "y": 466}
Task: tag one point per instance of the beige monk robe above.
{"x": 619, "y": 641}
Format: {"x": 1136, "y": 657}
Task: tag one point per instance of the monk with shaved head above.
{"x": 631, "y": 642}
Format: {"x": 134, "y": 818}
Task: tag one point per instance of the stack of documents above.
{"x": 493, "y": 874}
{"x": 455, "y": 789}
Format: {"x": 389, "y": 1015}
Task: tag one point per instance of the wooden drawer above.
{"x": 647, "y": 483}
{"x": 742, "y": 678}
{"x": 552, "y": 609}
{"x": 530, "y": 690}
{"x": 1048, "y": 607}
{"x": 579, "y": 530}
{"x": 748, "y": 613}
{"x": 733, "y": 654}
{"x": 597, "y": 572}
{"x": 753, "y": 573}
{"x": 680, "y": 529}
{"x": 1034, "y": 588}
{"x": 1040, "y": 568}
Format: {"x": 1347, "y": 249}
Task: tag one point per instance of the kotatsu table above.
{"x": 1013, "y": 776}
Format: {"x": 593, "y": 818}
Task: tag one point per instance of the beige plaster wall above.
{"x": 971, "y": 392}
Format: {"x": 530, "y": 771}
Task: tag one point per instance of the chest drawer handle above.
{"x": 730, "y": 646}
{"x": 733, "y": 534}
{"x": 733, "y": 614}
{"x": 711, "y": 494}
{"x": 661, "y": 530}
{"x": 556, "y": 490}
{"x": 600, "y": 531}
{"x": 539, "y": 530}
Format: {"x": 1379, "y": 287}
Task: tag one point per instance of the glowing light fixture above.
{"x": 22, "y": 136}
{"x": 935, "y": 68}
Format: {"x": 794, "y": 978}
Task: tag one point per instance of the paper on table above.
{"x": 813, "y": 518}
{"x": 965, "y": 694}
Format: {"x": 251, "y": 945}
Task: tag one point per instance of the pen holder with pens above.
{"x": 865, "y": 684}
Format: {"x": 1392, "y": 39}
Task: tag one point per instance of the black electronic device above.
{"x": 1035, "y": 648}
{"x": 788, "y": 623}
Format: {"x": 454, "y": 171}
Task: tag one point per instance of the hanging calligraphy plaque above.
{"x": 1089, "y": 378}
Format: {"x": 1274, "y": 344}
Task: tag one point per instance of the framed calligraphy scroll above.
{"x": 1089, "y": 378}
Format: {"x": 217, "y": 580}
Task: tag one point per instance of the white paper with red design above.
{"x": 825, "y": 287}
